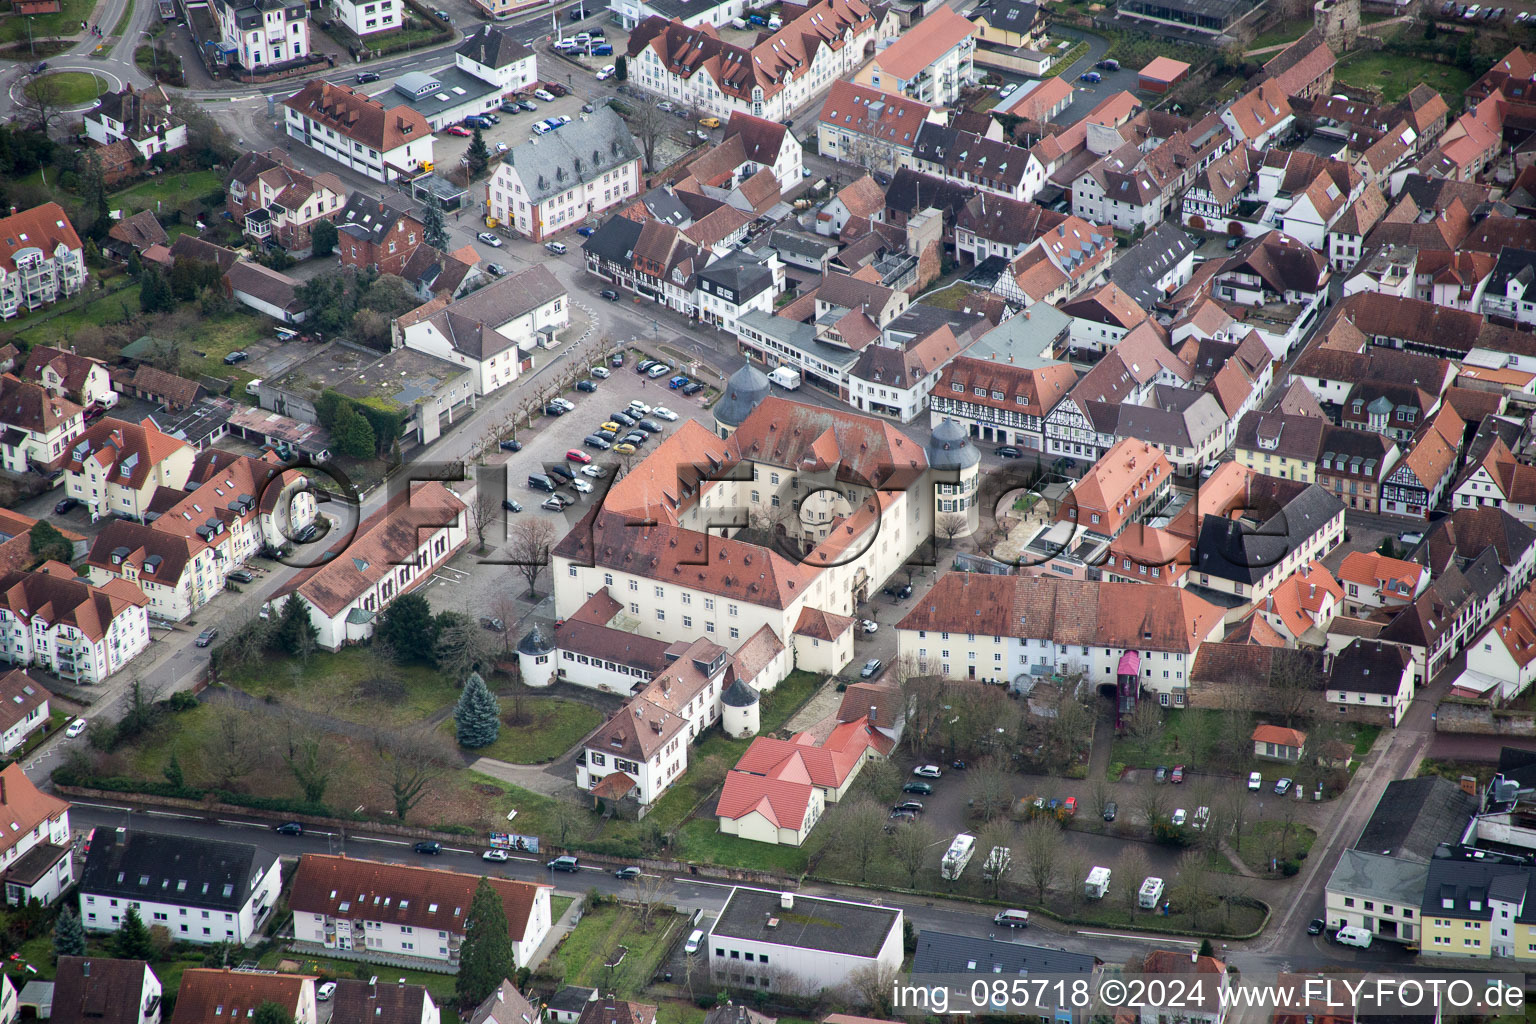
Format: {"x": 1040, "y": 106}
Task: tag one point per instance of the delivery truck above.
{"x": 786, "y": 378}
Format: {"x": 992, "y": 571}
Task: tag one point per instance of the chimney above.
{"x": 872, "y": 714}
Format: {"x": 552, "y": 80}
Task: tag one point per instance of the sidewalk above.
{"x": 557, "y": 931}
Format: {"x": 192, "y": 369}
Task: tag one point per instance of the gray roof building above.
{"x": 737, "y": 276}
{"x": 369, "y": 218}
{"x": 490, "y": 46}
{"x": 1235, "y": 551}
{"x": 1414, "y": 816}
{"x": 470, "y": 324}
{"x": 744, "y": 391}
{"x": 1139, "y": 268}
{"x": 807, "y": 922}
{"x": 583, "y": 150}
{"x": 1179, "y": 417}
{"x": 162, "y": 868}
{"x": 943, "y": 953}
{"x": 1027, "y": 340}
{"x": 1393, "y": 880}
{"x": 950, "y": 447}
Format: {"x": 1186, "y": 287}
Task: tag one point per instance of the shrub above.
{"x": 1289, "y": 868}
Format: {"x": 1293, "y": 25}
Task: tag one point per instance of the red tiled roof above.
{"x": 783, "y": 802}
{"x": 44, "y": 227}
{"x": 925, "y": 43}
{"x": 1280, "y": 736}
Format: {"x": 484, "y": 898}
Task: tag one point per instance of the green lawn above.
{"x": 703, "y": 841}
{"x": 1365, "y": 737}
{"x": 440, "y": 985}
{"x": 1286, "y": 32}
{"x": 949, "y": 298}
{"x": 122, "y": 23}
{"x": 171, "y": 189}
{"x": 65, "y": 23}
{"x": 1263, "y": 840}
{"x": 1393, "y": 75}
{"x": 113, "y": 307}
{"x": 558, "y": 905}
{"x": 68, "y": 88}
{"x": 351, "y": 684}
{"x": 553, "y": 727}
{"x": 38, "y": 952}
{"x": 583, "y": 954}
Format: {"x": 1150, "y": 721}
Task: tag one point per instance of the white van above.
{"x": 694, "y": 941}
{"x": 1352, "y": 936}
{"x": 1012, "y": 919}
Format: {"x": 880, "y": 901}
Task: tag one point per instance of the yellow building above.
{"x": 1280, "y": 444}
{"x": 1479, "y": 910}
{"x": 1009, "y": 23}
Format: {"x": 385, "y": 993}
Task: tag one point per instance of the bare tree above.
{"x": 911, "y": 847}
{"x": 1294, "y": 683}
{"x": 1098, "y": 797}
{"x": 857, "y": 832}
{"x": 950, "y": 525}
{"x": 504, "y": 607}
{"x": 872, "y": 984}
{"x": 1229, "y": 889}
{"x": 1134, "y": 866}
{"x": 310, "y": 755}
{"x": 565, "y": 817}
{"x": 1145, "y": 726}
{"x": 883, "y": 778}
{"x": 1234, "y": 812}
{"x": 484, "y": 511}
{"x": 529, "y": 551}
{"x": 648, "y": 125}
{"x": 990, "y": 789}
{"x": 411, "y": 761}
{"x": 923, "y": 698}
{"x": 43, "y": 102}
{"x": 1152, "y": 802}
{"x": 646, "y": 891}
{"x": 1043, "y": 847}
{"x": 1075, "y": 863}
{"x": 232, "y": 749}
{"x": 1193, "y": 891}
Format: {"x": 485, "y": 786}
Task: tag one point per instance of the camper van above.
{"x": 1353, "y": 936}
{"x": 957, "y": 856}
{"x": 1096, "y": 887}
{"x": 1151, "y": 892}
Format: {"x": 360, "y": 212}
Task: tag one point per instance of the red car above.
{"x": 458, "y": 129}
{"x": 1178, "y": 773}
{"x": 577, "y": 455}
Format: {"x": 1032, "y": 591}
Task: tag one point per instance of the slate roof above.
{"x": 945, "y": 953}
{"x": 369, "y": 218}
{"x": 98, "y": 990}
{"x": 1414, "y": 816}
{"x": 1388, "y": 879}
{"x": 580, "y": 152}
{"x": 177, "y": 869}
{"x": 1137, "y": 270}
{"x": 359, "y": 1002}
{"x": 1366, "y": 667}
{"x": 1234, "y": 551}
{"x": 492, "y": 47}
{"x": 470, "y": 324}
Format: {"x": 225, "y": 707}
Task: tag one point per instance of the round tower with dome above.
{"x": 536, "y": 657}
{"x": 739, "y": 710}
{"x": 955, "y": 465}
{"x": 744, "y": 391}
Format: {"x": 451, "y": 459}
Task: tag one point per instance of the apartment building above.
{"x": 1280, "y": 444}
{"x": 41, "y": 259}
{"x": 83, "y": 633}
{"x": 376, "y": 910}
{"x": 376, "y": 234}
{"x": 38, "y": 427}
{"x": 35, "y": 858}
{"x": 115, "y": 467}
{"x": 358, "y": 131}
{"x": 23, "y": 708}
{"x": 1129, "y": 483}
{"x": 213, "y": 996}
{"x": 974, "y": 626}
{"x": 494, "y": 56}
{"x": 931, "y": 62}
{"x": 276, "y": 203}
{"x": 365, "y": 17}
{"x": 492, "y": 332}
{"x": 555, "y": 181}
{"x": 107, "y": 990}
{"x": 392, "y": 552}
{"x": 771, "y": 79}
{"x": 199, "y": 890}
{"x": 260, "y": 35}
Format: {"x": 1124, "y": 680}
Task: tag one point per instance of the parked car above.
{"x": 913, "y": 806}
{"x": 624, "y": 449}
{"x": 709, "y": 122}
{"x": 554, "y": 410}
{"x": 364, "y": 77}
{"x": 431, "y": 847}
{"x": 625, "y": 418}
{"x": 1091, "y": 77}
{"x": 1180, "y": 816}
{"x": 564, "y": 403}
{"x": 495, "y": 269}
{"x": 65, "y": 505}
{"x": 310, "y": 533}
{"x": 545, "y": 95}
{"x": 616, "y": 360}
{"x": 920, "y": 788}
{"x": 75, "y": 729}
{"x": 869, "y": 626}
{"x": 677, "y": 382}
{"x": 659, "y": 370}
{"x": 494, "y": 855}
{"x": 871, "y": 668}
{"x": 459, "y": 130}
{"x": 627, "y": 873}
{"x": 511, "y": 505}
{"x": 636, "y": 437}
{"x": 905, "y": 817}
{"x": 1316, "y": 926}
{"x": 566, "y": 863}
{"x": 609, "y": 294}
{"x": 236, "y": 357}
{"x": 442, "y": 15}
{"x": 1282, "y": 787}
{"x": 650, "y": 426}
{"x": 325, "y": 992}
{"x": 243, "y": 576}
{"x": 606, "y": 73}
{"x": 555, "y": 248}
{"x": 562, "y": 474}
{"x": 602, "y": 444}
{"x": 637, "y": 408}
{"x": 289, "y": 828}
{"x": 1108, "y": 64}
{"x": 502, "y": 147}
{"x": 645, "y": 364}
{"x": 493, "y": 624}
{"x": 206, "y": 637}
{"x": 1110, "y": 810}
{"x": 1007, "y": 451}
{"x": 586, "y": 386}
{"x": 511, "y": 107}
{"x": 488, "y": 116}
{"x": 39, "y": 67}
{"x": 600, "y": 372}
{"x": 1161, "y": 775}
{"x": 528, "y": 105}
{"x": 553, "y": 503}
{"x": 594, "y": 471}
{"x": 664, "y": 413}
{"x": 1255, "y": 781}
{"x": 1069, "y": 806}
{"x": 928, "y": 771}
{"x": 694, "y": 388}
{"x": 694, "y": 941}
{"x": 511, "y": 446}
{"x": 492, "y": 240}
{"x": 1178, "y": 774}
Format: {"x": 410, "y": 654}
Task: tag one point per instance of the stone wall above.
{"x": 1479, "y": 718}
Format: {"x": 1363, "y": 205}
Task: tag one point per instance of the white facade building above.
{"x": 49, "y": 618}
{"x": 359, "y": 132}
{"x": 259, "y": 33}
{"x": 788, "y": 942}
{"x": 366, "y": 17}
{"x": 35, "y": 852}
{"x": 551, "y": 183}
